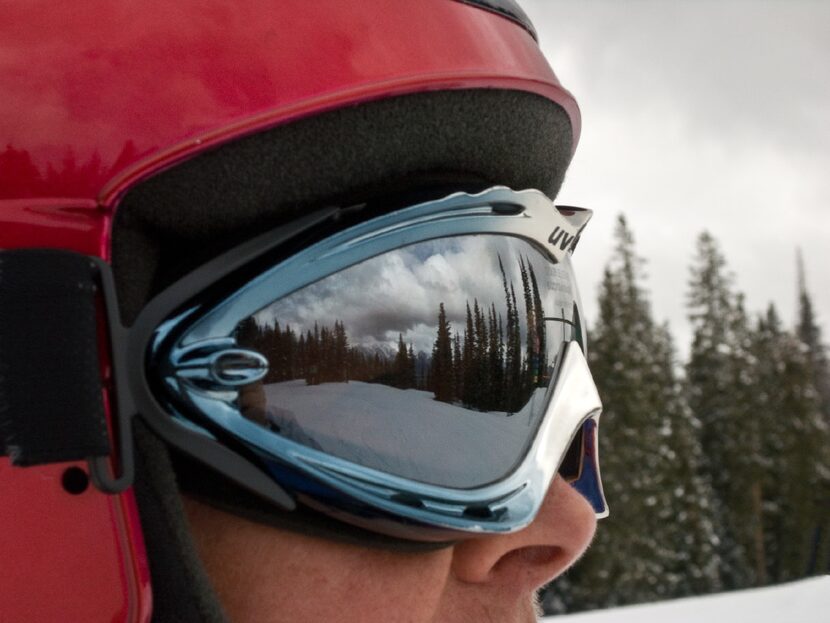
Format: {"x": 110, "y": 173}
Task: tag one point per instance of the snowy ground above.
{"x": 405, "y": 432}
{"x": 807, "y": 601}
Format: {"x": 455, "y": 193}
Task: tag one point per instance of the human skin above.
{"x": 266, "y": 575}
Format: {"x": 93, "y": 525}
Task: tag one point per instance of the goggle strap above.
{"x": 104, "y": 474}
{"x": 51, "y": 392}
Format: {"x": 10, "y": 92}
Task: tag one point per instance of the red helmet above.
{"x": 138, "y": 133}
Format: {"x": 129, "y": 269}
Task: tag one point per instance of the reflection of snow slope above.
{"x": 404, "y": 432}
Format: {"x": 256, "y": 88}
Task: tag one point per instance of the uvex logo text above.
{"x": 562, "y": 239}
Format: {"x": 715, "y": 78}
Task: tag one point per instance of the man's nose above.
{"x": 533, "y": 556}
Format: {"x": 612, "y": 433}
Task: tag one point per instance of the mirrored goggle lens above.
{"x": 433, "y": 362}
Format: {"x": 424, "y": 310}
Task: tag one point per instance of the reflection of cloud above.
{"x": 400, "y": 291}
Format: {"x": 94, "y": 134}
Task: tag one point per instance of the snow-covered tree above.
{"x": 658, "y": 541}
{"x": 809, "y": 333}
{"x": 797, "y": 515}
{"x": 718, "y": 382}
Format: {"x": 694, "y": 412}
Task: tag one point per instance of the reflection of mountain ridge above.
{"x": 384, "y": 350}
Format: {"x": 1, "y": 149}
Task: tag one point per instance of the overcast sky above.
{"x": 700, "y": 115}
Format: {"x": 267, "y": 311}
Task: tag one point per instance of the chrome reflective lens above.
{"x": 421, "y": 373}
{"x": 432, "y": 362}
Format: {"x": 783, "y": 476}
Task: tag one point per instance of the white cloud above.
{"x": 700, "y": 115}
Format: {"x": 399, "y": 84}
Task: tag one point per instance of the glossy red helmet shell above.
{"x": 99, "y": 96}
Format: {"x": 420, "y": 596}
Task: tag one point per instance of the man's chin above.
{"x": 526, "y": 611}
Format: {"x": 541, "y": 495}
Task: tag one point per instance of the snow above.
{"x": 807, "y": 601}
{"x": 404, "y": 432}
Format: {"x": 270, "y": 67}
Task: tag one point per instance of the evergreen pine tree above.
{"x": 766, "y": 347}
{"x": 810, "y": 334}
{"x": 795, "y": 447}
{"x": 717, "y": 389}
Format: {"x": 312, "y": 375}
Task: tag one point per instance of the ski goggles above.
{"x": 421, "y": 374}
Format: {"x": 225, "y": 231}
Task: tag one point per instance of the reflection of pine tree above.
{"x": 458, "y": 365}
{"x": 312, "y": 342}
{"x": 277, "y": 345}
{"x": 481, "y": 380}
{"x": 513, "y": 354}
{"x": 324, "y": 356}
{"x": 495, "y": 361}
{"x": 441, "y": 368}
{"x": 399, "y": 378}
{"x": 378, "y": 368}
{"x": 302, "y": 357}
{"x": 421, "y": 369}
{"x": 468, "y": 395}
{"x": 403, "y": 376}
{"x": 530, "y": 372}
{"x": 341, "y": 353}
{"x": 411, "y": 380}
{"x": 541, "y": 353}
{"x": 248, "y": 332}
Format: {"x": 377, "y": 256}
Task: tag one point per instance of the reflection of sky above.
{"x": 399, "y": 291}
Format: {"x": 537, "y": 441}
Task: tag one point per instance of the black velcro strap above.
{"x": 51, "y": 402}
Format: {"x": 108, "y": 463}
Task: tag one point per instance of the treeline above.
{"x": 484, "y": 367}
{"x": 324, "y": 355}
{"x": 717, "y": 471}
